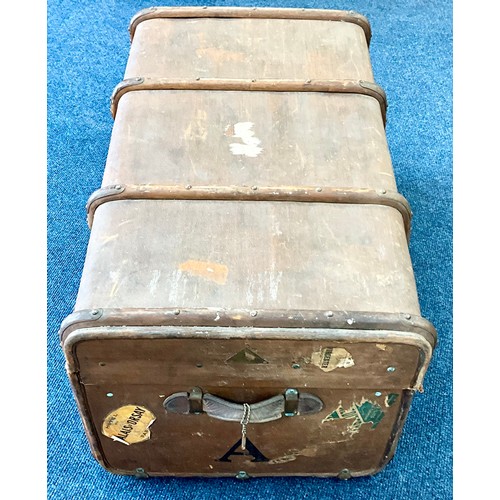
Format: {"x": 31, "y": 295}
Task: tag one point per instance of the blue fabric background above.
{"x": 411, "y": 50}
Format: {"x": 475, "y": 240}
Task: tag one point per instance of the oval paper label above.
{"x": 128, "y": 424}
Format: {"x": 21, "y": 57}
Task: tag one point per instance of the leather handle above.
{"x": 288, "y": 404}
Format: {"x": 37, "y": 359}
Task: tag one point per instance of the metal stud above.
{"x": 344, "y": 474}
{"x": 242, "y": 475}
{"x": 177, "y": 312}
{"x": 391, "y": 369}
{"x": 253, "y": 313}
{"x": 329, "y": 314}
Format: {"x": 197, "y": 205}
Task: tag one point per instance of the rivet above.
{"x": 138, "y": 79}
{"x": 118, "y": 187}
{"x": 319, "y": 190}
{"x": 188, "y": 186}
{"x": 382, "y": 191}
{"x": 94, "y": 312}
{"x": 254, "y": 80}
{"x": 242, "y": 475}
{"x": 199, "y": 365}
{"x": 140, "y": 473}
{"x": 350, "y": 321}
{"x": 378, "y": 394}
{"x": 329, "y": 314}
{"x": 197, "y": 78}
{"x": 109, "y": 394}
{"x": 408, "y": 316}
{"x": 254, "y": 188}
{"x": 177, "y": 312}
{"x": 253, "y": 313}
{"x": 102, "y": 363}
{"x": 344, "y": 474}
{"x": 295, "y": 366}
{"x": 391, "y": 369}
{"x": 308, "y": 81}
{"x": 204, "y": 7}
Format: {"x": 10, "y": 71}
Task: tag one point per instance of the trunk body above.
{"x": 247, "y": 305}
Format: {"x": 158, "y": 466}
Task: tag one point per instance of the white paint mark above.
{"x": 249, "y": 145}
{"x": 107, "y": 239}
{"x": 115, "y": 279}
{"x": 116, "y": 438}
{"x": 175, "y": 281}
{"x": 153, "y": 284}
{"x": 275, "y": 278}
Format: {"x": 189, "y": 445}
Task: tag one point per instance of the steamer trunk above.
{"x": 247, "y": 305}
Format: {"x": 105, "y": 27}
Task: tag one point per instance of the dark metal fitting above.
{"x": 291, "y": 402}
{"x": 242, "y": 475}
{"x": 345, "y": 474}
{"x": 196, "y": 401}
{"x": 140, "y": 473}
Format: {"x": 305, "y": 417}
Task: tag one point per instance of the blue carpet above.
{"x": 411, "y": 52}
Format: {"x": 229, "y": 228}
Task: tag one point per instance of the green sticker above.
{"x": 364, "y": 412}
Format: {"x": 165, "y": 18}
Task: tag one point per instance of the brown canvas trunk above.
{"x": 248, "y": 305}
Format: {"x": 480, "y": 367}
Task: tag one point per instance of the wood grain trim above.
{"x": 251, "y": 13}
{"x": 278, "y": 320}
{"x": 264, "y": 85}
{"x": 251, "y": 193}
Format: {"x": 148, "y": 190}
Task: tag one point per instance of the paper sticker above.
{"x": 330, "y": 358}
{"x": 364, "y": 412}
{"x": 128, "y": 424}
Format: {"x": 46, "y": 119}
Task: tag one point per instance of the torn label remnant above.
{"x": 128, "y": 424}
{"x": 390, "y": 399}
{"x": 364, "y": 412}
{"x": 330, "y": 358}
{"x": 204, "y": 269}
